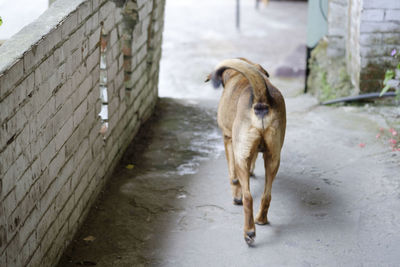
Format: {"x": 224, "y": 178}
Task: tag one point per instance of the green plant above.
{"x": 392, "y": 77}
{"x": 1, "y": 21}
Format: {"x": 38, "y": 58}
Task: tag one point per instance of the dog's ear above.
{"x": 208, "y": 78}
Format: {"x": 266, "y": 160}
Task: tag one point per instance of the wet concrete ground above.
{"x": 334, "y": 202}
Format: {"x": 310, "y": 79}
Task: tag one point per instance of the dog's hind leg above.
{"x": 235, "y": 185}
{"x": 245, "y": 146}
{"x": 271, "y": 163}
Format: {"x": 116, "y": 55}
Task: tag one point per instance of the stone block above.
{"x": 47, "y": 154}
{"x": 389, "y": 4}
{"x": 84, "y": 11}
{"x": 374, "y": 27}
{"x": 372, "y": 14}
{"x": 392, "y": 15}
{"x": 69, "y": 25}
{"x": 11, "y": 77}
{"x": 79, "y": 113}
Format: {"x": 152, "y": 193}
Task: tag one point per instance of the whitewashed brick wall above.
{"x": 53, "y": 159}
{"x": 379, "y": 35}
{"x": 365, "y": 32}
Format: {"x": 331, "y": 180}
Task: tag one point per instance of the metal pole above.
{"x": 238, "y": 14}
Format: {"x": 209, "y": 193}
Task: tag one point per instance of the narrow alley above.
{"x": 334, "y": 202}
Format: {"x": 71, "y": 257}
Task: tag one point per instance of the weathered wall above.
{"x": 352, "y": 42}
{"x": 337, "y": 26}
{"x": 361, "y": 35}
{"x": 53, "y": 158}
{"x": 379, "y": 34}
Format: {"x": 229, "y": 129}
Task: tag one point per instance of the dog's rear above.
{"x": 251, "y": 114}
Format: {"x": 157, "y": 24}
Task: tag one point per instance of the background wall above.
{"x": 355, "y": 54}
{"x": 56, "y": 152}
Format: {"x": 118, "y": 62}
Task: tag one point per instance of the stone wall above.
{"x": 79, "y": 59}
{"x": 337, "y": 25}
{"x": 352, "y": 42}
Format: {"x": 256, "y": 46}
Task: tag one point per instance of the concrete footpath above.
{"x": 335, "y": 200}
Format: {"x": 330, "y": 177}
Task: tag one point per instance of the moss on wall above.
{"x": 328, "y": 77}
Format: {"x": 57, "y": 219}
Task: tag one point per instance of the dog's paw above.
{"x": 261, "y": 221}
{"x": 249, "y": 237}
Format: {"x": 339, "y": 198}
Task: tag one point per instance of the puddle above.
{"x": 182, "y": 134}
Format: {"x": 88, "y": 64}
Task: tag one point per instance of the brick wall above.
{"x": 379, "y": 34}
{"x": 361, "y": 34}
{"x": 56, "y": 152}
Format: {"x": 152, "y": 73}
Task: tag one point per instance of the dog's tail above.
{"x": 252, "y": 74}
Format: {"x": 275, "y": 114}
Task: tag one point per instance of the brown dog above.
{"x": 252, "y": 116}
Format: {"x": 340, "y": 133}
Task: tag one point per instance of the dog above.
{"x": 252, "y": 117}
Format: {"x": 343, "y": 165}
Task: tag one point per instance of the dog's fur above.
{"x": 252, "y": 116}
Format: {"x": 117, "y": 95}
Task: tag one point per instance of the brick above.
{"x": 376, "y": 50}
{"x": 69, "y": 25}
{"x": 9, "y": 205}
{"x": 95, "y": 4}
{"x": 77, "y": 79}
{"x": 63, "y": 93}
{"x": 11, "y": 77}
{"x": 370, "y": 39}
{"x": 372, "y": 14}
{"x": 392, "y": 15}
{"x": 391, "y": 38}
{"x": 63, "y": 114}
{"x": 27, "y": 249}
{"x": 28, "y": 227}
{"x": 67, "y": 207}
{"x": 112, "y": 71}
{"x": 12, "y": 252}
{"x": 36, "y": 54}
{"x": 23, "y": 185}
{"x": 113, "y": 37}
{"x": 72, "y": 143}
{"x": 108, "y": 22}
{"x": 44, "y": 70}
{"x": 93, "y": 60}
{"x": 92, "y": 23}
{"x": 47, "y": 154}
{"x": 390, "y": 4}
{"x": 13, "y": 173}
{"x": 84, "y": 11}
{"x": 7, "y": 107}
{"x": 105, "y": 10}
{"x": 79, "y": 113}
{"x": 46, "y": 112}
{"x": 379, "y": 27}
{"x": 84, "y": 88}
{"x": 94, "y": 39}
{"x": 64, "y": 133}
{"x": 46, "y": 230}
{"x": 56, "y": 164}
